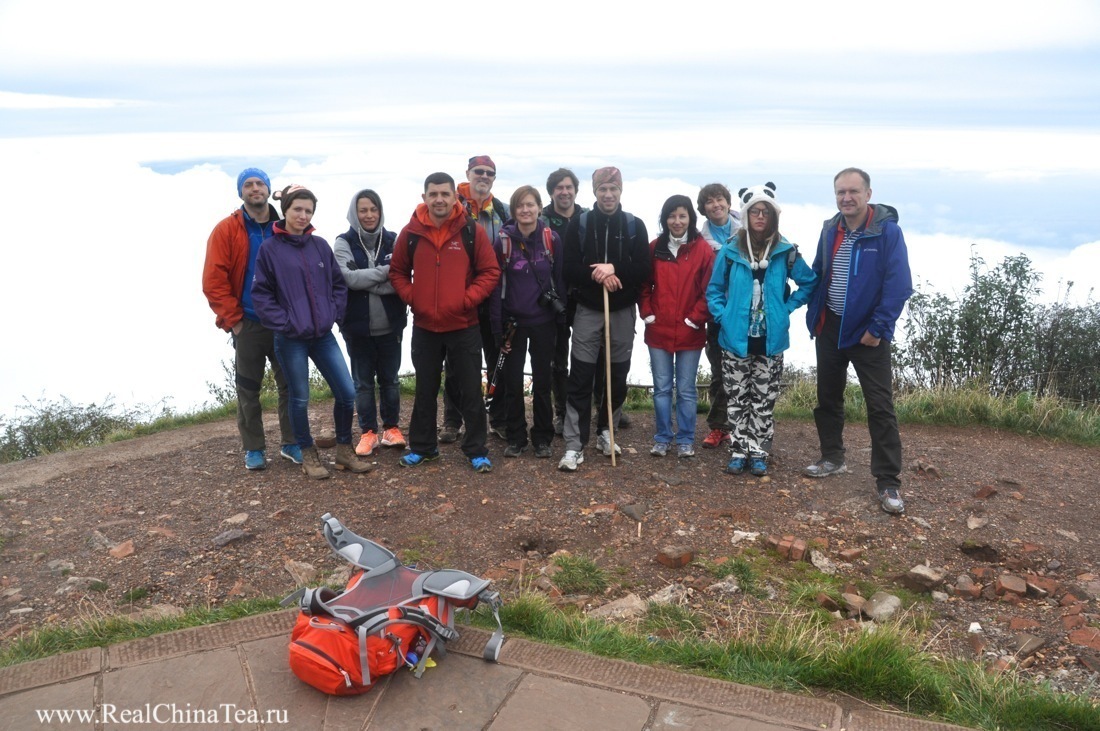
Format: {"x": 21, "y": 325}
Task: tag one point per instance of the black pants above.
{"x": 462, "y": 349}
{"x": 717, "y": 417}
{"x": 560, "y": 368}
{"x": 539, "y": 340}
{"x": 452, "y": 414}
{"x": 875, "y": 373}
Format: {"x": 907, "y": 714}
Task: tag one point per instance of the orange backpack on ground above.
{"x": 388, "y": 617}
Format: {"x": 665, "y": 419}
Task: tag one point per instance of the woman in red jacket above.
{"x": 673, "y": 305}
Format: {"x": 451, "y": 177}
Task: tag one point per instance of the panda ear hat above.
{"x": 749, "y": 197}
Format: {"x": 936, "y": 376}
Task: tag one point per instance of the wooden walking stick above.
{"x": 607, "y": 363}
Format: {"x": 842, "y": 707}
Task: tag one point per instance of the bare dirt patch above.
{"x": 981, "y": 504}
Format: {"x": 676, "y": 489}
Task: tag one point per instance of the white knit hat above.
{"x": 749, "y": 197}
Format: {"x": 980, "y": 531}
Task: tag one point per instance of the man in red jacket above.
{"x": 455, "y": 270}
{"x": 227, "y": 283}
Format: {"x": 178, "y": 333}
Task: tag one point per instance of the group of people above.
{"x": 564, "y": 286}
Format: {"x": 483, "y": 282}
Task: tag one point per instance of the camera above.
{"x": 552, "y": 301}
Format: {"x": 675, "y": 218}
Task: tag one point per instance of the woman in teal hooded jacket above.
{"x": 751, "y": 301}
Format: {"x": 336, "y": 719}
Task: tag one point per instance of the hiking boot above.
{"x": 515, "y": 450}
{"x": 603, "y": 443}
{"x": 367, "y": 443}
{"x": 499, "y": 432}
{"x": 481, "y": 464}
{"x": 415, "y": 459}
{"x": 824, "y": 468}
{"x": 715, "y": 438}
{"x": 559, "y": 425}
{"x": 255, "y": 459}
{"x": 683, "y": 451}
{"x": 736, "y": 466}
{"x": 448, "y": 434}
{"x": 311, "y": 465}
{"x": 758, "y": 466}
{"x": 542, "y": 451}
{"x": 570, "y": 461}
{"x": 659, "y": 449}
{"x": 891, "y": 502}
{"x": 347, "y": 459}
{"x": 292, "y": 452}
{"x": 393, "y": 437}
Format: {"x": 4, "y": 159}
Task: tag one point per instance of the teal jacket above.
{"x": 729, "y": 296}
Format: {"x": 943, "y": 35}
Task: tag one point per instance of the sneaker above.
{"x": 292, "y": 452}
{"x": 736, "y": 466}
{"x": 559, "y": 426}
{"x": 392, "y": 437}
{"x": 685, "y": 450}
{"x": 660, "y": 449}
{"x": 347, "y": 458}
{"x": 542, "y": 451}
{"x": 255, "y": 459}
{"x": 312, "y": 466}
{"x": 824, "y": 468}
{"x": 758, "y": 466}
{"x": 415, "y": 459}
{"x": 367, "y": 443}
{"x": 515, "y": 450}
{"x": 603, "y": 443}
{"x": 890, "y": 500}
{"x": 481, "y": 464}
{"x": 715, "y": 438}
{"x": 570, "y": 461}
{"x": 448, "y": 434}
{"x": 499, "y": 432}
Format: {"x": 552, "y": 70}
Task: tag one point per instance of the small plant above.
{"x": 135, "y": 595}
{"x": 665, "y": 617}
{"x": 579, "y": 575}
{"x": 97, "y": 585}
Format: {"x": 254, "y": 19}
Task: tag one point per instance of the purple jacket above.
{"x": 298, "y": 290}
{"x": 524, "y": 276}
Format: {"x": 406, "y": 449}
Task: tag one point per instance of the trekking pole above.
{"x": 509, "y": 331}
{"x": 607, "y": 362}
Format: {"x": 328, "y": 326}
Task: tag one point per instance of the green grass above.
{"x": 135, "y": 595}
{"x": 579, "y": 575}
{"x": 800, "y": 652}
{"x": 103, "y": 631}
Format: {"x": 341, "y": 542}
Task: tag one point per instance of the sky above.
{"x": 123, "y": 126}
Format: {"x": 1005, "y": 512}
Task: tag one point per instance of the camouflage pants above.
{"x": 752, "y": 385}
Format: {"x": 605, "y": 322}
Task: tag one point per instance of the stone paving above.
{"x": 234, "y": 675}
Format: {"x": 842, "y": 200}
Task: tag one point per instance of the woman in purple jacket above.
{"x": 530, "y": 295}
{"x": 299, "y": 294}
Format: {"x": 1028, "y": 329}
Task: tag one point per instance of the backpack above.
{"x": 506, "y": 253}
{"x": 389, "y": 616}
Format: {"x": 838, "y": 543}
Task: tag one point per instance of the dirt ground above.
{"x": 980, "y": 504}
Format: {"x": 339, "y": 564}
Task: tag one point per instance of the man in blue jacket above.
{"x": 863, "y": 267}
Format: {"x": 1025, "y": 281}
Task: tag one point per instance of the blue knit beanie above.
{"x": 251, "y": 173}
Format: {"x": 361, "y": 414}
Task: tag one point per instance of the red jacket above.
{"x": 223, "y": 272}
{"x": 446, "y": 290}
{"x": 677, "y": 289}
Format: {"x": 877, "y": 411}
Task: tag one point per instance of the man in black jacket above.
{"x": 606, "y": 250}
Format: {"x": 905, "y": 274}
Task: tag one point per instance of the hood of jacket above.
{"x": 880, "y": 213}
{"x": 279, "y": 228}
{"x": 369, "y": 238}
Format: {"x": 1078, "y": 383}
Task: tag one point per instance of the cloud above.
{"x": 18, "y": 100}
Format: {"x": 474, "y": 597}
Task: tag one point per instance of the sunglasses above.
{"x": 484, "y": 173}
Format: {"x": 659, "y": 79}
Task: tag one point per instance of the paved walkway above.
{"x": 234, "y": 675}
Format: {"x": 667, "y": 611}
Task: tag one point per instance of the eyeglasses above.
{"x": 484, "y": 173}
{"x": 760, "y": 212}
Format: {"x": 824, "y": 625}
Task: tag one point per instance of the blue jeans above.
{"x": 375, "y": 357}
{"x": 294, "y": 356}
{"x": 686, "y": 365}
